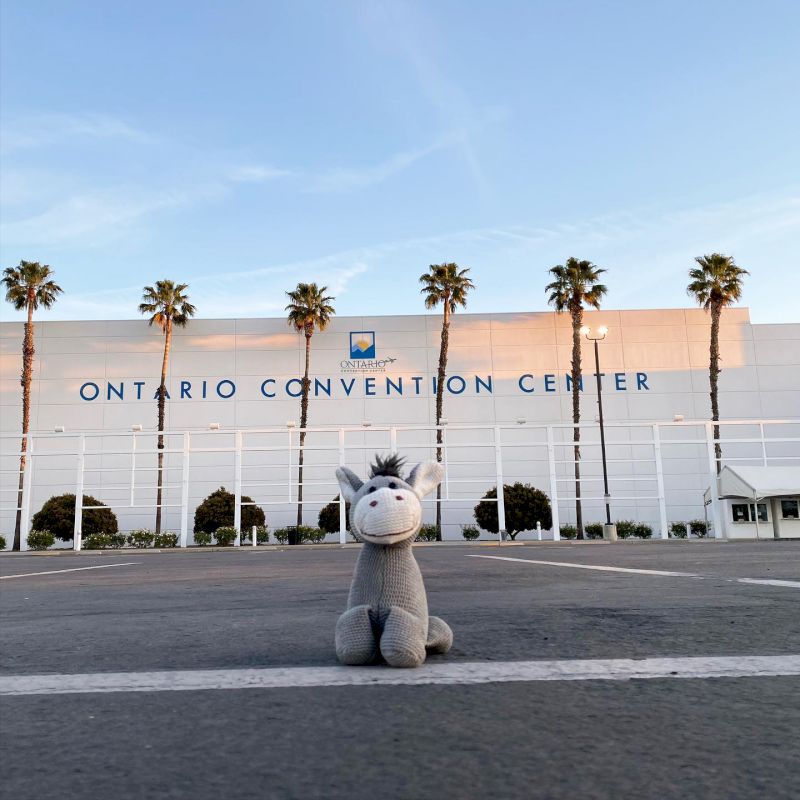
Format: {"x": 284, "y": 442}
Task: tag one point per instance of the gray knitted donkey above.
{"x": 387, "y": 609}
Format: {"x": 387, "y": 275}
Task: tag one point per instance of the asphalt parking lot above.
{"x": 273, "y": 611}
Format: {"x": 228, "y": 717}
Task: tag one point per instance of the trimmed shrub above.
{"x": 141, "y": 538}
{"x": 202, "y": 538}
{"x": 165, "y": 539}
{"x": 626, "y": 528}
{"x": 2, "y": 542}
{"x": 103, "y": 541}
{"x": 594, "y": 530}
{"x": 225, "y": 536}
{"x": 216, "y": 511}
{"x": 524, "y": 504}
{"x": 40, "y": 540}
{"x": 699, "y": 528}
{"x": 642, "y": 530}
{"x": 677, "y": 530}
{"x": 281, "y": 535}
{"x": 262, "y": 534}
{"x": 311, "y": 535}
{"x": 470, "y": 532}
{"x": 568, "y": 532}
{"x": 328, "y": 518}
{"x": 427, "y": 533}
{"x": 57, "y": 515}
{"x": 308, "y": 534}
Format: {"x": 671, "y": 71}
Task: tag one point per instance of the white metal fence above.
{"x": 658, "y": 472}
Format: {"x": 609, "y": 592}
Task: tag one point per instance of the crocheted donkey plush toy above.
{"x": 387, "y": 610}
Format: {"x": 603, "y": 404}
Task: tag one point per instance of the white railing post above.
{"x": 289, "y": 467}
{"x": 255, "y": 536}
{"x": 76, "y": 531}
{"x": 501, "y": 504}
{"x": 133, "y": 468}
{"x": 237, "y": 489}
{"x": 27, "y": 487}
{"x": 185, "y": 490}
{"x": 342, "y": 503}
{"x": 662, "y": 503}
{"x": 551, "y": 461}
{"x": 447, "y": 468}
{"x": 719, "y": 531}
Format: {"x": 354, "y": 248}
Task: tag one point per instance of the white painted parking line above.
{"x": 758, "y": 581}
{"x": 74, "y": 569}
{"x": 455, "y": 673}
{"x": 770, "y": 582}
{"x": 593, "y": 567}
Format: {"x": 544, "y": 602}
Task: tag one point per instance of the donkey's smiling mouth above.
{"x": 391, "y": 533}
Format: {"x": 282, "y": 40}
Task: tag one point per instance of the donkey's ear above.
{"x": 349, "y": 483}
{"x": 425, "y": 477}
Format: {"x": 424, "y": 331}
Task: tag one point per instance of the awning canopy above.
{"x": 759, "y": 482}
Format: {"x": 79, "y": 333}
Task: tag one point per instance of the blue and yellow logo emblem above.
{"x": 362, "y": 344}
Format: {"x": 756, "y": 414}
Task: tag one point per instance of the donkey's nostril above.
{"x": 398, "y": 497}
{"x": 374, "y": 503}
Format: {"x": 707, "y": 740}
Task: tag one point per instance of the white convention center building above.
{"x": 234, "y": 407}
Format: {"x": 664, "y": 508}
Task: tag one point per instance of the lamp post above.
{"x": 609, "y": 529}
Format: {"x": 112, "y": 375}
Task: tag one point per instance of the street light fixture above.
{"x": 609, "y": 530}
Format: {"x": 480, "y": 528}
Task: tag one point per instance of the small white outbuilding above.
{"x": 760, "y": 502}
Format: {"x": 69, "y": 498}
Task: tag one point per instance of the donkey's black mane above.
{"x": 389, "y": 467}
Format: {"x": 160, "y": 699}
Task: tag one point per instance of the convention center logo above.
{"x": 362, "y": 344}
{"x": 363, "y": 354}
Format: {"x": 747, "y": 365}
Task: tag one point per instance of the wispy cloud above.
{"x": 256, "y": 173}
{"x": 347, "y": 179}
{"x": 406, "y": 30}
{"x": 243, "y": 293}
{"x": 39, "y": 130}
{"x": 90, "y": 218}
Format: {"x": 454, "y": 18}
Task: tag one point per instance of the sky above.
{"x": 241, "y": 147}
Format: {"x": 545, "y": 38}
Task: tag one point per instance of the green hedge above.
{"x": 427, "y": 533}
{"x": 262, "y": 534}
{"x": 470, "y": 532}
{"x": 524, "y": 506}
{"x": 217, "y": 511}
{"x": 328, "y": 518}
{"x": 40, "y": 540}
{"x": 308, "y": 535}
{"x": 103, "y": 541}
{"x": 57, "y": 515}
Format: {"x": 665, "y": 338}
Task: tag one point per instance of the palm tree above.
{"x": 28, "y": 286}
{"x": 167, "y": 306}
{"x": 574, "y": 286}
{"x": 448, "y": 285}
{"x": 309, "y": 310}
{"x": 716, "y": 283}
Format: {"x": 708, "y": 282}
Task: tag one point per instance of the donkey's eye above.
{"x": 372, "y": 489}
{"x": 392, "y": 485}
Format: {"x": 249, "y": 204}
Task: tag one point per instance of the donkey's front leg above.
{"x": 355, "y": 640}
{"x": 403, "y": 639}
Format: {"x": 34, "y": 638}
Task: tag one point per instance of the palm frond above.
{"x": 717, "y": 281}
{"x": 309, "y": 308}
{"x": 30, "y": 284}
{"x": 446, "y": 283}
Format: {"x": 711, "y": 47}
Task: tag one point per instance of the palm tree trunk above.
{"x": 445, "y": 342}
{"x": 27, "y": 375}
{"x": 303, "y": 423}
{"x": 713, "y": 379}
{"x": 577, "y": 321}
{"x": 162, "y": 401}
